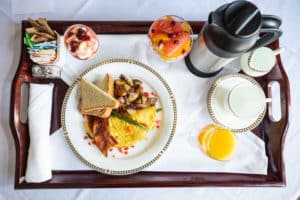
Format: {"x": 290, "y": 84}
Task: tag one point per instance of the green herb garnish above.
{"x": 128, "y": 120}
{"x": 158, "y": 109}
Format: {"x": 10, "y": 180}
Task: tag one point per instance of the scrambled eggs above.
{"x": 128, "y": 134}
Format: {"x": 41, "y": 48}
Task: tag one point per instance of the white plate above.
{"x": 145, "y": 152}
{"x": 215, "y": 104}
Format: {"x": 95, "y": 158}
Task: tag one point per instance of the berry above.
{"x": 80, "y": 34}
{"x": 74, "y": 46}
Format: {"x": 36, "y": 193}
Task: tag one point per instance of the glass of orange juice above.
{"x": 171, "y": 37}
{"x": 217, "y": 142}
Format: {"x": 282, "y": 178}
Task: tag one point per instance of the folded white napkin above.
{"x": 190, "y": 92}
{"x": 39, "y": 118}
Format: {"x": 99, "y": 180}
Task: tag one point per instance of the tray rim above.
{"x": 191, "y": 178}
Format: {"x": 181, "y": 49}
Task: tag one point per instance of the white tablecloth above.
{"x": 147, "y": 10}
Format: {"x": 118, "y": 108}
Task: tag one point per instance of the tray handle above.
{"x": 276, "y": 127}
{"x": 274, "y": 107}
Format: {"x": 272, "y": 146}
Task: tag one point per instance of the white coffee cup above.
{"x": 259, "y": 61}
{"x": 245, "y": 101}
{"x": 237, "y": 102}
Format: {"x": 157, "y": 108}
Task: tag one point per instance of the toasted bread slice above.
{"x": 93, "y": 98}
{"x": 96, "y": 113}
{"x": 106, "y": 85}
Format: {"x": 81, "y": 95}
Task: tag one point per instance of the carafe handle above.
{"x": 270, "y": 30}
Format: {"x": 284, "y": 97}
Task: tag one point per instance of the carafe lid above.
{"x": 232, "y": 29}
{"x": 242, "y": 18}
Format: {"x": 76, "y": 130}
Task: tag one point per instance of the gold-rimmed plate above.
{"x": 216, "y": 107}
{"x": 145, "y": 152}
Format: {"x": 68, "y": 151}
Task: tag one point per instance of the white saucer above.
{"x": 215, "y": 104}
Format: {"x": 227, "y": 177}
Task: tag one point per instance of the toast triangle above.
{"x": 94, "y": 98}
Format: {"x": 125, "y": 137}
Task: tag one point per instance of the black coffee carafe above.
{"x": 230, "y": 31}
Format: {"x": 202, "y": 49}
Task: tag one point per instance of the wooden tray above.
{"x": 273, "y": 133}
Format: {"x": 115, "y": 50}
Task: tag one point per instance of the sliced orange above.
{"x": 160, "y": 37}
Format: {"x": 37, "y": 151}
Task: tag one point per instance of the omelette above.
{"x": 127, "y": 134}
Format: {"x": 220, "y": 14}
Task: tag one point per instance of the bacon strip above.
{"x": 102, "y": 138}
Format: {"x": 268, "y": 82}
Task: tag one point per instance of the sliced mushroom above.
{"x": 138, "y": 100}
{"x": 132, "y": 96}
{"x": 127, "y": 87}
{"x": 129, "y": 81}
{"x": 119, "y": 82}
{"x": 137, "y": 82}
{"x": 143, "y": 99}
{"x": 122, "y": 77}
{"x": 141, "y": 106}
{"x": 139, "y": 89}
{"x": 121, "y": 91}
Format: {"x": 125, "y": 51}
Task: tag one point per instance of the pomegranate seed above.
{"x": 170, "y": 35}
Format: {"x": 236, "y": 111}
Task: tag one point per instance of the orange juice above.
{"x": 217, "y": 142}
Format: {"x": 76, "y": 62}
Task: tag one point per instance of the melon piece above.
{"x": 175, "y": 43}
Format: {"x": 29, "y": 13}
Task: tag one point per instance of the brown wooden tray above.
{"x": 273, "y": 133}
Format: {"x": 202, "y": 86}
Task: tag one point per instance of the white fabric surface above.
{"x": 192, "y": 114}
{"x": 288, "y": 10}
{"x": 30, "y": 6}
{"x": 39, "y": 118}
